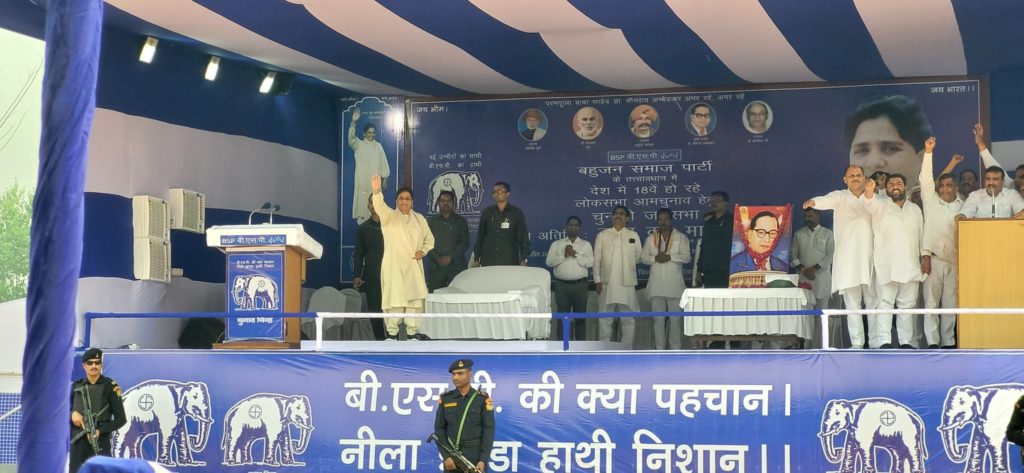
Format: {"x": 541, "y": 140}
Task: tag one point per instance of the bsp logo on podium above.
{"x": 254, "y": 282}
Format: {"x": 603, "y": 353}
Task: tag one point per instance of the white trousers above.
{"x": 856, "y": 298}
{"x": 675, "y": 324}
{"x": 411, "y": 324}
{"x": 940, "y": 291}
{"x": 626, "y": 325}
{"x": 903, "y": 296}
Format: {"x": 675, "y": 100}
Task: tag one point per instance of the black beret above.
{"x": 91, "y": 354}
{"x": 463, "y": 364}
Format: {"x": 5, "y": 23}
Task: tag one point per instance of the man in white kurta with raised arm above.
{"x": 370, "y": 161}
{"x": 616, "y": 252}
{"x": 666, "y": 251}
{"x": 938, "y": 250}
{"x": 851, "y": 267}
{"x": 897, "y": 225}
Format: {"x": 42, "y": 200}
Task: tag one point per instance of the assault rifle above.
{"x": 88, "y": 420}
{"x": 461, "y": 462}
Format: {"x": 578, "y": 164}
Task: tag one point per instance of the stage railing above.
{"x": 565, "y": 317}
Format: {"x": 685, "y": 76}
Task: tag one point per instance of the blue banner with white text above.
{"x": 625, "y": 412}
{"x": 255, "y": 283}
{"x": 584, "y": 155}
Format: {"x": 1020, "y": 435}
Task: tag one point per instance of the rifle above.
{"x": 461, "y": 462}
{"x": 88, "y": 420}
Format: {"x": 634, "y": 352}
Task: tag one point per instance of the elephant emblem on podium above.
{"x": 981, "y": 413}
{"x": 164, "y": 409}
{"x": 872, "y": 424}
{"x": 269, "y": 418}
{"x": 255, "y": 292}
{"x": 465, "y": 185}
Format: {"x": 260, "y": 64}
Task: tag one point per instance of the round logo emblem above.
{"x": 887, "y": 418}
{"x": 146, "y": 402}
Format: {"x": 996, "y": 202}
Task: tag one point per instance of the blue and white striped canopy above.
{"x": 450, "y": 47}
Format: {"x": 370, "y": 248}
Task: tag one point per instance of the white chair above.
{"x": 325, "y": 299}
{"x": 355, "y": 329}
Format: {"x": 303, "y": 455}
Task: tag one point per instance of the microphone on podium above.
{"x": 275, "y": 208}
{"x": 992, "y": 195}
{"x": 265, "y": 206}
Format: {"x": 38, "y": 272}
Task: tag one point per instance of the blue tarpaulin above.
{"x": 69, "y": 85}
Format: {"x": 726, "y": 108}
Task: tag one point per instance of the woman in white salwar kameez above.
{"x": 407, "y": 238}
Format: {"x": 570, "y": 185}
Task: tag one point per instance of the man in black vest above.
{"x": 103, "y": 395}
{"x": 465, "y": 418}
{"x": 366, "y": 261}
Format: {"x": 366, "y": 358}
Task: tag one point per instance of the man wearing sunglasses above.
{"x": 103, "y": 395}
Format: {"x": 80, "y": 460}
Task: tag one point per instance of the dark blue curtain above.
{"x": 69, "y": 96}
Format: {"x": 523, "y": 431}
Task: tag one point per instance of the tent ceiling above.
{"x": 448, "y": 47}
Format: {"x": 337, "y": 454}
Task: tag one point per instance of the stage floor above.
{"x": 459, "y": 346}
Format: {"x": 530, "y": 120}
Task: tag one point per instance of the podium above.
{"x": 265, "y": 268}
{"x": 990, "y": 268}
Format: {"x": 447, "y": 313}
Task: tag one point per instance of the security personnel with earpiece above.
{"x": 465, "y": 418}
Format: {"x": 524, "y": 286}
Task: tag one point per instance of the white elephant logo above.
{"x": 255, "y": 292}
{"x": 465, "y": 185}
{"x": 870, "y": 424}
{"x": 270, "y": 418}
{"x": 982, "y": 413}
{"x": 162, "y": 409}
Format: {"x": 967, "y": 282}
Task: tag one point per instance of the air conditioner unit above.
{"x": 152, "y": 259}
{"x": 150, "y": 217}
{"x": 188, "y": 210}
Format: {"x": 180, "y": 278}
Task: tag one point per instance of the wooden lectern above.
{"x": 990, "y": 274}
{"x": 266, "y": 266}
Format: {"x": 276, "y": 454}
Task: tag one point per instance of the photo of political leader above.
{"x": 701, "y": 119}
{"x": 533, "y": 124}
{"x": 588, "y": 123}
{"x": 757, "y": 117}
{"x": 644, "y": 121}
{"x": 761, "y": 238}
{"x": 887, "y": 134}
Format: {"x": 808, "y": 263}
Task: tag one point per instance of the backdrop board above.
{"x": 622, "y": 412}
{"x": 587, "y": 154}
{"x": 362, "y": 157}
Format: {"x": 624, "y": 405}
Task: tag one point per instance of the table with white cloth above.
{"x": 748, "y": 299}
{"x": 485, "y": 327}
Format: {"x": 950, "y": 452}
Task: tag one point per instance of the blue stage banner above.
{"x": 254, "y": 284}
{"x": 622, "y": 412}
{"x": 583, "y": 155}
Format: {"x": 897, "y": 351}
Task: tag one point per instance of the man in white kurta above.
{"x": 370, "y": 161}
{"x": 897, "y": 225}
{"x": 811, "y": 255}
{"x": 851, "y": 268}
{"x": 570, "y": 260}
{"x": 993, "y": 200}
{"x": 616, "y": 252}
{"x": 666, "y": 251}
{"x": 407, "y": 239}
{"x": 938, "y": 251}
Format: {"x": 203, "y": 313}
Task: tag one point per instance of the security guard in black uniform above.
{"x": 105, "y": 397}
{"x": 465, "y": 418}
{"x": 1015, "y": 429}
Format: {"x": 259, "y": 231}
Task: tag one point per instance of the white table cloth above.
{"x": 737, "y": 299}
{"x": 486, "y": 327}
